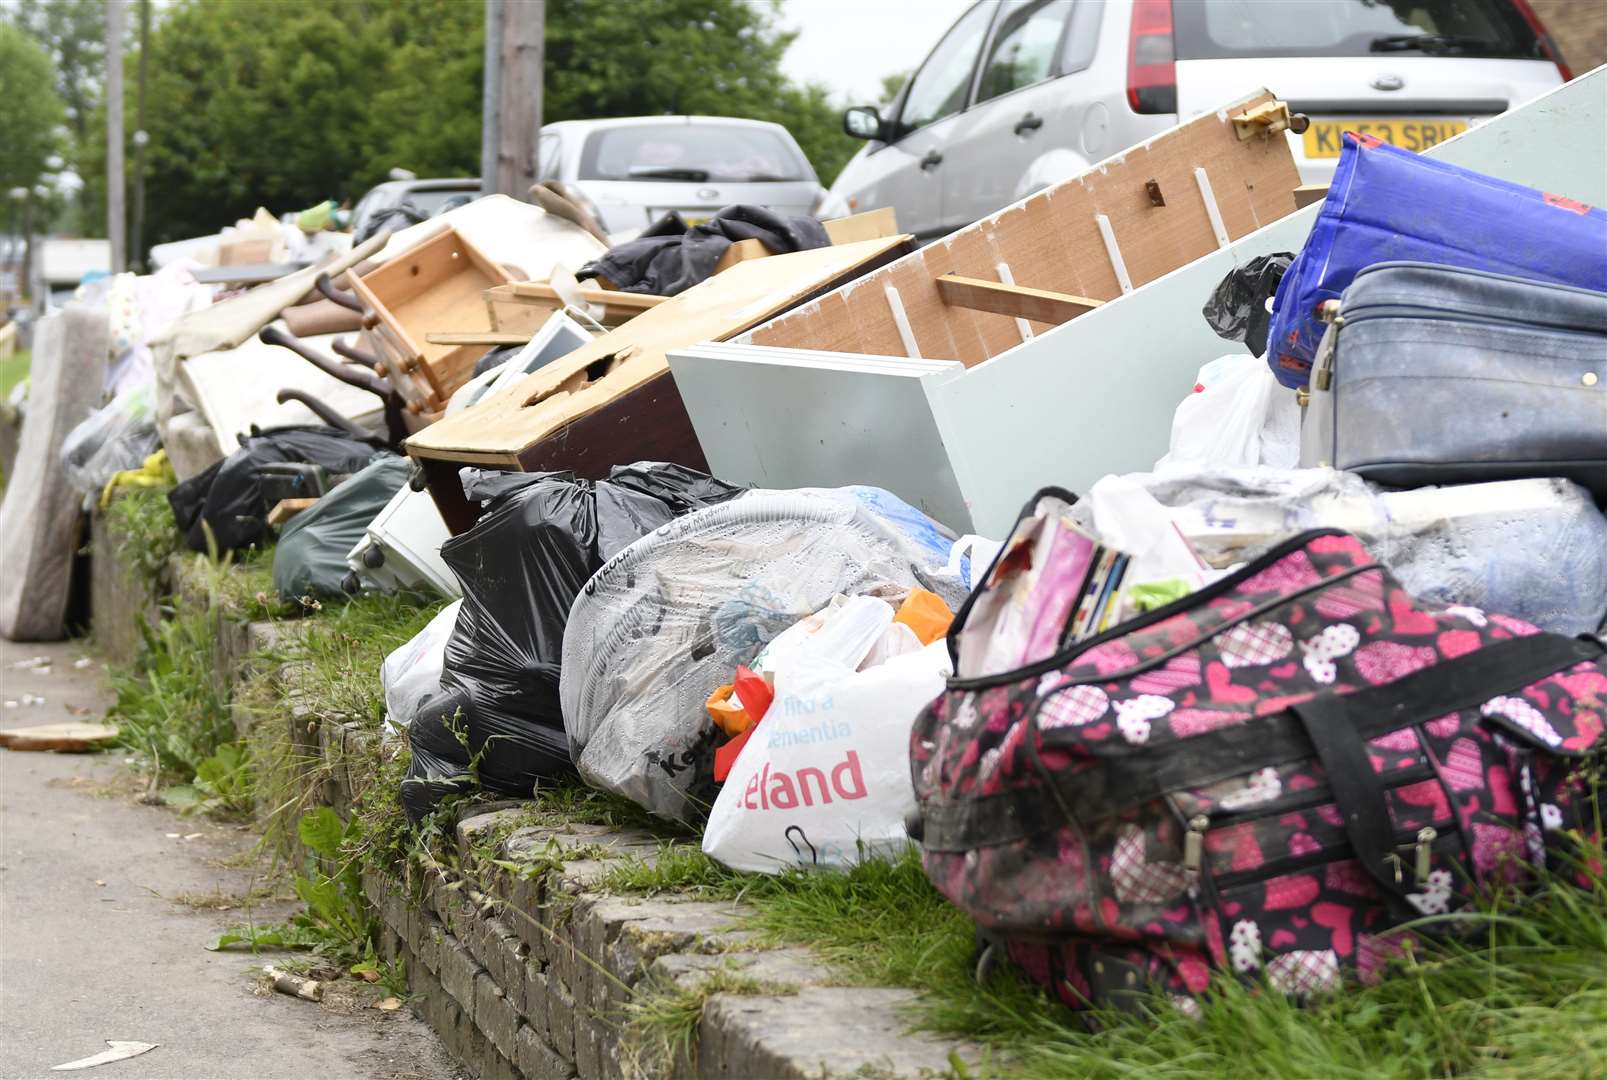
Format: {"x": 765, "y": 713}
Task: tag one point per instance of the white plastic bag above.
{"x": 825, "y": 778}
{"x": 413, "y": 672}
{"x": 1237, "y": 415}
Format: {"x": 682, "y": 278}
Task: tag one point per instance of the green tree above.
{"x": 32, "y": 115}
{"x": 281, "y": 104}
{"x": 74, "y": 34}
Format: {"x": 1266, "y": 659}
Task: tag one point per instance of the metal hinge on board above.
{"x": 1268, "y": 119}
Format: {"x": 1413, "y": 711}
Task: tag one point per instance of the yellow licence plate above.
{"x": 1324, "y": 137}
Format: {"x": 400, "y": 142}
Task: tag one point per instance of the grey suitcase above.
{"x": 1435, "y": 374}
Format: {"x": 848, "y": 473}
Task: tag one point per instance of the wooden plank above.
{"x": 70, "y": 737}
{"x": 285, "y": 509}
{"x": 1051, "y": 239}
{"x": 540, "y": 290}
{"x": 633, "y": 355}
{"x": 1013, "y": 300}
{"x": 871, "y": 225}
{"x": 478, "y": 337}
{"x": 1306, "y": 194}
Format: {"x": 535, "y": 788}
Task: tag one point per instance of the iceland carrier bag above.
{"x": 1264, "y": 777}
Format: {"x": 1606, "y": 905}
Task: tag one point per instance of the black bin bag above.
{"x": 228, "y": 496}
{"x": 521, "y": 567}
{"x": 1237, "y": 308}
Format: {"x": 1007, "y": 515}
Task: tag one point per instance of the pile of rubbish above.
{"x": 766, "y": 527}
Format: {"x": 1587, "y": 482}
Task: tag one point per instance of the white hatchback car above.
{"x": 1019, "y": 95}
{"x": 628, "y": 172}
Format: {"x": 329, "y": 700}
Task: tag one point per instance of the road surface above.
{"x": 106, "y": 906}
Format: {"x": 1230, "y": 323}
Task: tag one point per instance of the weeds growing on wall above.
{"x": 171, "y": 712}
{"x": 141, "y": 523}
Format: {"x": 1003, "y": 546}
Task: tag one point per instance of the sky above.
{"x": 851, "y": 44}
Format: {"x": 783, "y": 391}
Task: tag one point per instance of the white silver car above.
{"x": 1018, "y": 95}
{"x": 630, "y": 171}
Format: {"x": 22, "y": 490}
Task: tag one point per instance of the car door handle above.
{"x": 1029, "y": 122}
{"x": 931, "y": 161}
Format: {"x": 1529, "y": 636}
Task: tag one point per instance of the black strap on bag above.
{"x": 1339, "y": 726}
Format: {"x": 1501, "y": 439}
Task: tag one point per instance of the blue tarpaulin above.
{"x": 1386, "y": 204}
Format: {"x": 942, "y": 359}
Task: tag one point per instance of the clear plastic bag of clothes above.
{"x": 664, "y": 624}
{"x": 520, "y": 567}
{"x": 118, "y": 436}
{"x": 1534, "y": 549}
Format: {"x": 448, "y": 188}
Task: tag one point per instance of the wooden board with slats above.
{"x": 1052, "y": 242}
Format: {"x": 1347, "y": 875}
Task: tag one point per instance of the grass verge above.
{"x": 1520, "y": 992}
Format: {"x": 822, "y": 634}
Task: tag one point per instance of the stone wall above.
{"x": 535, "y": 974}
{"x": 529, "y": 968}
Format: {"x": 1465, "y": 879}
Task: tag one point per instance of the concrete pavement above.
{"x": 94, "y": 946}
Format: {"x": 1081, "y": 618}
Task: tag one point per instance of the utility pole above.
{"x": 490, "y": 97}
{"x": 114, "y": 135}
{"x": 516, "y": 30}
{"x": 137, "y": 232}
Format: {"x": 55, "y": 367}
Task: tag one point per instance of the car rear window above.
{"x": 691, "y": 152}
{"x": 1227, "y": 29}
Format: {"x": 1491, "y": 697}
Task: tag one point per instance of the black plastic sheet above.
{"x": 521, "y": 567}
{"x": 669, "y": 258}
{"x": 310, "y": 558}
{"x": 228, "y": 496}
{"x": 1237, "y": 309}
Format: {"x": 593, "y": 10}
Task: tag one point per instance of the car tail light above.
{"x": 1548, "y": 47}
{"x": 1151, "y": 70}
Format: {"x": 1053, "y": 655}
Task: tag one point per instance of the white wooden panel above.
{"x": 793, "y": 418}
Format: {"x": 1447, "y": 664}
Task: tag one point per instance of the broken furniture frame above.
{"x": 612, "y": 401}
{"x": 436, "y": 286}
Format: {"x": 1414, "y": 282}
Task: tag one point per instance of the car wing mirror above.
{"x": 863, "y": 122}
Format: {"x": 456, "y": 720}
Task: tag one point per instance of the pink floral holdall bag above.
{"x": 1263, "y": 777}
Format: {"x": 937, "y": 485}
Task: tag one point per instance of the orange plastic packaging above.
{"x": 926, "y": 614}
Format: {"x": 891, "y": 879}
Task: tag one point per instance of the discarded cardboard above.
{"x": 66, "y": 738}
{"x": 611, "y": 401}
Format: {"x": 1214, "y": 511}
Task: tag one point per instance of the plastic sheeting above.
{"x": 119, "y": 436}
{"x": 1535, "y": 549}
{"x": 1237, "y": 309}
{"x": 228, "y": 495}
{"x": 310, "y": 558}
{"x": 664, "y": 624}
{"x": 521, "y": 567}
{"x": 412, "y": 673}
